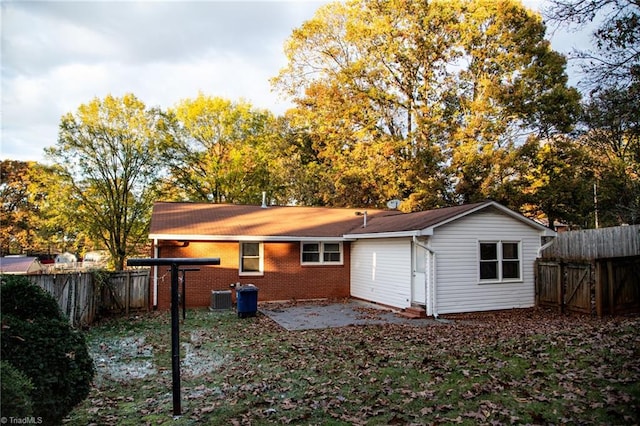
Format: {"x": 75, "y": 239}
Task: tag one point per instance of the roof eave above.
{"x": 263, "y": 238}
{"x": 399, "y": 234}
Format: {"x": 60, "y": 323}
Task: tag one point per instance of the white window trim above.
{"x": 261, "y": 255}
{"x": 321, "y": 262}
{"x": 500, "y": 259}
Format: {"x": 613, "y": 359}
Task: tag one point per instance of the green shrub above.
{"x": 16, "y": 388}
{"x": 38, "y": 340}
{"x": 27, "y": 301}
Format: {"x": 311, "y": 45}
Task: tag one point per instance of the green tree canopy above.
{"x": 614, "y": 59}
{"x": 611, "y": 122}
{"x": 432, "y": 96}
{"x": 108, "y": 153}
{"x": 19, "y": 213}
{"x": 29, "y": 223}
{"x": 560, "y": 174}
{"x": 221, "y": 151}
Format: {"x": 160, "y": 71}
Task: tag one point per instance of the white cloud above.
{"x": 57, "y": 55}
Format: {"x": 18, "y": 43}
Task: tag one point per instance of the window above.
{"x": 251, "y": 258}
{"x": 321, "y": 253}
{"x": 499, "y": 261}
{"x": 488, "y": 261}
{"x": 510, "y": 261}
{"x": 310, "y": 253}
{"x": 331, "y": 253}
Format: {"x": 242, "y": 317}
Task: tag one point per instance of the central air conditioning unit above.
{"x": 221, "y": 300}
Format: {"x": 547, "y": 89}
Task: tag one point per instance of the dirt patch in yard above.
{"x": 199, "y": 359}
{"x": 122, "y": 359}
{"x": 132, "y": 358}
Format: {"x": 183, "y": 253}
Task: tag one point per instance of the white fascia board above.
{"x": 264, "y": 238}
{"x": 399, "y": 234}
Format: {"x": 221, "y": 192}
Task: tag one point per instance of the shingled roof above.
{"x": 424, "y": 223}
{"x": 416, "y": 221}
{"x": 19, "y": 264}
{"x": 199, "y": 221}
{"x": 182, "y": 221}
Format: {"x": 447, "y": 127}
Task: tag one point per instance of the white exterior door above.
{"x": 418, "y": 286}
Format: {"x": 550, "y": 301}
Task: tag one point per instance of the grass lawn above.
{"x": 522, "y": 366}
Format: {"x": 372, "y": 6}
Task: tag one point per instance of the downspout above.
{"x": 544, "y": 247}
{"x": 156, "y": 254}
{"x": 433, "y": 274}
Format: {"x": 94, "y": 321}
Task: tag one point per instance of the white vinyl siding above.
{"x": 458, "y": 287}
{"x": 381, "y": 271}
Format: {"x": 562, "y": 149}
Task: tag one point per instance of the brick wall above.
{"x": 283, "y": 279}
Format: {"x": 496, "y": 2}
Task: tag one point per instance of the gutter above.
{"x": 246, "y": 238}
{"x": 433, "y": 273}
{"x": 394, "y": 234}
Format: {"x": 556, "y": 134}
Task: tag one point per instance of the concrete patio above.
{"x": 318, "y": 315}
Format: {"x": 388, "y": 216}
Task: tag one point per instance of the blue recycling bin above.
{"x": 247, "y": 300}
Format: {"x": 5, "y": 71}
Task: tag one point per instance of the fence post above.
{"x": 611, "y": 284}
{"x": 127, "y": 297}
{"x": 599, "y": 293}
{"x": 74, "y": 289}
{"x": 560, "y": 287}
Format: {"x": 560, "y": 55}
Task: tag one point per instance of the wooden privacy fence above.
{"x": 589, "y": 244}
{"x": 75, "y": 294}
{"x": 595, "y": 271}
{"x": 567, "y": 286}
{"x": 83, "y": 296}
{"x": 602, "y": 287}
{"x": 126, "y": 290}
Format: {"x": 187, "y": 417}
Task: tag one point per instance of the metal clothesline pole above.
{"x": 175, "y": 264}
{"x": 184, "y": 290}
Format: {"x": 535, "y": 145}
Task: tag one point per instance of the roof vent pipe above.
{"x": 264, "y": 199}
{"x": 365, "y": 217}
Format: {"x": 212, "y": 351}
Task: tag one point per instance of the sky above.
{"x": 58, "y": 55}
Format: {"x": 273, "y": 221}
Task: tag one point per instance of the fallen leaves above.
{"x": 521, "y": 366}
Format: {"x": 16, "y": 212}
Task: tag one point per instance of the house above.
{"x": 457, "y": 259}
{"x": 97, "y": 259}
{"x": 468, "y": 258}
{"x": 66, "y": 260}
{"x": 20, "y": 265}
